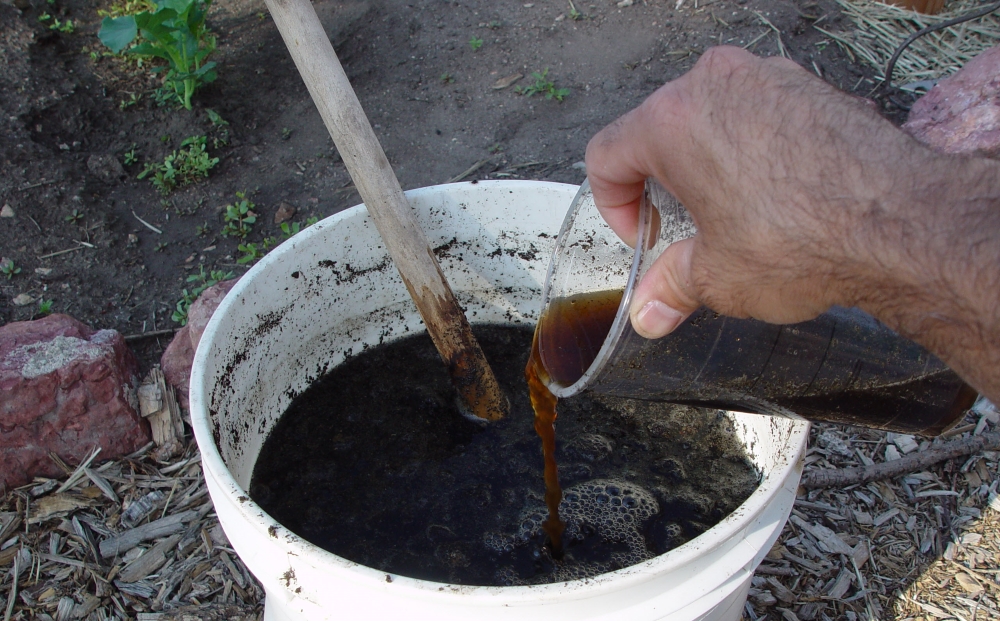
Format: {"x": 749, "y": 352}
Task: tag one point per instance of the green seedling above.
{"x": 251, "y": 253}
{"x": 44, "y": 307}
{"x": 8, "y": 269}
{"x": 447, "y": 78}
{"x": 543, "y": 86}
{"x": 130, "y": 157}
{"x": 475, "y": 43}
{"x": 286, "y": 133}
{"x": 239, "y": 217}
{"x": 180, "y": 314}
{"x": 290, "y": 230}
{"x": 66, "y": 27}
{"x": 215, "y": 118}
{"x": 160, "y": 247}
{"x": 133, "y": 99}
{"x": 74, "y": 216}
{"x": 174, "y": 32}
{"x": 203, "y": 230}
{"x": 182, "y": 167}
{"x": 573, "y": 13}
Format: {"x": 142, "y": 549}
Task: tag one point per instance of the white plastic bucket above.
{"x": 331, "y": 291}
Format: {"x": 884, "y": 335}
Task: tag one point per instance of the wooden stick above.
{"x": 911, "y": 463}
{"x": 344, "y": 118}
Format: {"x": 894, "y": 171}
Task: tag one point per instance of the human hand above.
{"x": 775, "y": 166}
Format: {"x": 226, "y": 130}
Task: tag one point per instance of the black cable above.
{"x": 891, "y": 65}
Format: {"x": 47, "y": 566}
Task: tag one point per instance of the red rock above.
{"x": 64, "y": 388}
{"x": 176, "y": 364}
{"x": 961, "y": 114}
{"x": 177, "y": 360}
{"x": 204, "y": 307}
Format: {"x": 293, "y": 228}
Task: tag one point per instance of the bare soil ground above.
{"x": 68, "y": 120}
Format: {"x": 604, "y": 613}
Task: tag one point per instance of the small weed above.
{"x": 475, "y": 43}
{"x": 160, "y": 247}
{"x": 182, "y": 167}
{"x": 180, "y": 314}
{"x": 289, "y": 230}
{"x": 8, "y": 269}
{"x": 286, "y": 133}
{"x": 543, "y": 86}
{"x": 215, "y": 118}
{"x": 261, "y": 15}
{"x": 203, "y": 230}
{"x": 573, "y": 13}
{"x": 53, "y": 23}
{"x": 130, "y": 158}
{"x": 239, "y": 217}
{"x": 494, "y": 25}
{"x": 44, "y": 307}
{"x": 251, "y": 253}
{"x": 132, "y": 100}
{"x": 495, "y": 148}
{"x": 74, "y": 216}
{"x": 165, "y": 138}
{"x": 447, "y": 78}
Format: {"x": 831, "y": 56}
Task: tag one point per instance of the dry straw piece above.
{"x": 881, "y": 28}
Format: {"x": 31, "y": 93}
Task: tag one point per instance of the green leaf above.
{"x": 117, "y": 33}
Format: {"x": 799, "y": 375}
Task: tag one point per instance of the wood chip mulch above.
{"x": 129, "y": 539}
{"x": 137, "y": 538}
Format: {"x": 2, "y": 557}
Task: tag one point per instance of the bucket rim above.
{"x": 217, "y": 472}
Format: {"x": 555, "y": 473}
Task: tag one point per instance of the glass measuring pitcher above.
{"x": 844, "y": 366}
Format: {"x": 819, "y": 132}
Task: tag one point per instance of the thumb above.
{"x": 664, "y": 297}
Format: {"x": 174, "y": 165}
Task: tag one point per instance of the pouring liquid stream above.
{"x": 567, "y": 338}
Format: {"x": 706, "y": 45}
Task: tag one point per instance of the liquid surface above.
{"x": 375, "y": 463}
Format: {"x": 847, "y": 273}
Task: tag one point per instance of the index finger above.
{"x": 617, "y": 175}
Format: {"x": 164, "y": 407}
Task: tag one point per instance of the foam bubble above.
{"x": 612, "y": 510}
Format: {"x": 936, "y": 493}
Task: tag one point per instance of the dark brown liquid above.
{"x": 375, "y": 463}
{"x": 571, "y": 333}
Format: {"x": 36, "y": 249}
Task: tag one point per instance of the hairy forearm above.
{"x": 804, "y": 198}
{"x": 931, "y": 267}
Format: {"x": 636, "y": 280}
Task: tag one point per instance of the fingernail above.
{"x": 656, "y": 319}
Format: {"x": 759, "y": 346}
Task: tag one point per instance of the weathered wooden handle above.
{"x": 348, "y": 125}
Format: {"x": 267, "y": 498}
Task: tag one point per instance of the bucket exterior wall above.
{"x": 329, "y": 293}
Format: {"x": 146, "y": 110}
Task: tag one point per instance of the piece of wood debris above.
{"x": 158, "y": 405}
{"x": 910, "y": 463}
{"x": 140, "y": 509}
{"x": 506, "y": 81}
{"x": 79, "y": 473}
{"x": 147, "y": 532}
{"x": 826, "y": 537}
{"x": 841, "y": 585}
{"x": 212, "y": 612}
{"x": 55, "y": 505}
{"x": 150, "y": 561}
